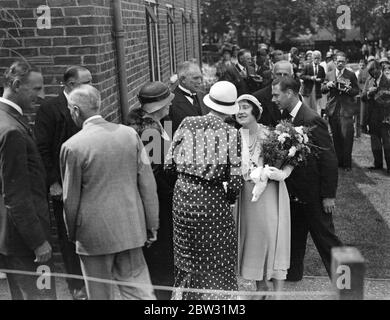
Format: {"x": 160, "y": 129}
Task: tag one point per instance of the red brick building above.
{"x": 155, "y": 35}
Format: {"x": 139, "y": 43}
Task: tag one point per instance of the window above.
{"x": 171, "y": 38}
{"x": 184, "y": 20}
{"x": 192, "y": 24}
{"x": 153, "y": 44}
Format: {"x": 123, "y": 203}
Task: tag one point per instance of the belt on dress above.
{"x": 196, "y": 179}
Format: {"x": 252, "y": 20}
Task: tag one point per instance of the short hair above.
{"x": 255, "y": 110}
{"x": 19, "y": 70}
{"x": 340, "y": 54}
{"x": 285, "y": 63}
{"x": 73, "y": 72}
{"x": 294, "y": 50}
{"x": 317, "y": 53}
{"x": 242, "y": 52}
{"x": 86, "y": 97}
{"x": 288, "y": 83}
{"x": 363, "y": 61}
{"x": 185, "y": 67}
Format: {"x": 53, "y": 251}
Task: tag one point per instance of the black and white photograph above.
{"x": 195, "y": 150}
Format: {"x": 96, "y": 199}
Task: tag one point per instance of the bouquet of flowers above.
{"x": 287, "y": 145}
{"x": 284, "y": 145}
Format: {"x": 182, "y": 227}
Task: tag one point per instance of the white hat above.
{"x": 222, "y": 98}
{"x": 252, "y": 99}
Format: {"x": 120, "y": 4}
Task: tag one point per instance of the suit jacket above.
{"x": 271, "y": 114}
{"x": 345, "y": 101}
{"x": 24, "y": 211}
{"x": 318, "y": 178}
{"x": 308, "y": 72}
{"x": 181, "y": 108}
{"x": 244, "y": 85}
{"x": 109, "y": 192}
{"x": 53, "y": 126}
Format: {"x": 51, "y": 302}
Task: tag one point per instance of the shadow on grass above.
{"x": 357, "y": 224}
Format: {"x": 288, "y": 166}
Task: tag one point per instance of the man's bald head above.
{"x": 84, "y": 102}
{"x": 86, "y": 97}
{"x": 283, "y": 68}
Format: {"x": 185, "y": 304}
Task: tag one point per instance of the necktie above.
{"x": 195, "y": 100}
{"x": 316, "y": 70}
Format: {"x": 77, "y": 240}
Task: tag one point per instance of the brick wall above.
{"x": 82, "y": 34}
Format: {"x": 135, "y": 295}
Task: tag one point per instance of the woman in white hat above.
{"x": 205, "y": 153}
{"x": 155, "y": 98}
{"x": 264, "y": 249}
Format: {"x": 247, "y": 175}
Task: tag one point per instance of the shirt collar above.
{"x": 294, "y": 111}
{"x": 241, "y": 66}
{"x": 339, "y": 73}
{"x": 98, "y": 116}
{"x": 185, "y": 90}
{"x": 12, "y": 104}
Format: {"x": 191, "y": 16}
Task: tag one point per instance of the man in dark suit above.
{"x": 24, "y": 211}
{"x": 188, "y": 99}
{"x": 313, "y": 76}
{"x": 271, "y": 114}
{"x": 312, "y": 187}
{"x": 341, "y": 107}
{"x": 243, "y": 74}
{"x": 53, "y": 126}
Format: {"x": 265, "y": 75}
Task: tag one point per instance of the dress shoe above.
{"x": 3, "y": 276}
{"x": 79, "y": 294}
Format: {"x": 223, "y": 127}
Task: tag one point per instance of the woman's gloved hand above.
{"x": 279, "y": 175}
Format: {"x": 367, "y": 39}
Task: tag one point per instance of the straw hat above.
{"x": 252, "y": 99}
{"x": 153, "y": 96}
{"x": 222, "y": 98}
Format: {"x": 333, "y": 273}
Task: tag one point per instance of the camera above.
{"x": 342, "y": 84}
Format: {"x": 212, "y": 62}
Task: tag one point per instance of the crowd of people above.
{"x": 160, "y": 200}
{"x": 352, "y": 101}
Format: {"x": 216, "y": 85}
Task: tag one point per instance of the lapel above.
{"x": 300, "y": 118}
{"x": 17, "y": 116}
{"x": 63, "y": 105}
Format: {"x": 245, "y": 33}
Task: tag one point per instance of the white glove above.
{"x": 260, "y": 177}
{"x": 279, "y": 175}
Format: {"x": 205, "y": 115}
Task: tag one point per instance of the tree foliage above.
{"x": 294, "y": 17}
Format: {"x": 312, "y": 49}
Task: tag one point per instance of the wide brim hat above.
{"x": 370, "y": 58}
{"x": 253, "y": 99}
{"x": 153, "y": 96}
{"x": 384, "y": 60}
{"x": 222, "y": 98}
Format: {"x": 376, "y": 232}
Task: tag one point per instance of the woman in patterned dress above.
{"x": 206, "y": 153}
{"x": 264, "y": 224}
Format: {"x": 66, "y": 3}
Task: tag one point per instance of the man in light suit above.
{"x": 24, "y": 210}
{"x": 188, "y": 101}
{"x": 342, "y": 86}
{"x": 110, "y": 199}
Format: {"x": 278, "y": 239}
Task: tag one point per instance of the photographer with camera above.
{"x": 342, "y": 86}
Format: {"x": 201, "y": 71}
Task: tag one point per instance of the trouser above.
{"x": 310, "y": 218}
{"x": 29, "y": 287}
{"x": 342, "y": 132}
{"x": 380, "y": 143}
{"x": 126, "y": 266}
{"x": 68, "y": 249}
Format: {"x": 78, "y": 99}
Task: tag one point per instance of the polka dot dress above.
{"x": 205, "y": 244}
